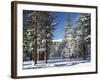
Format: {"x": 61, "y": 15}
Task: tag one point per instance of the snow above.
{"x": 89, "y": 36}
{"x": 58, "y": 40}
{"x": 56, "y": 63}
{"x": 42, "y": 49}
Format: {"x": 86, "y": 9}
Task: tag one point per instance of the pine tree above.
{"x": 29, "y": 34}
{"x": 40, "y": 24}
{"x": 82, "y": 32}
{"x": 68, "y": 44}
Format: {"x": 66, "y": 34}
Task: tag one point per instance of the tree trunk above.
{"x": 35, "y": 42}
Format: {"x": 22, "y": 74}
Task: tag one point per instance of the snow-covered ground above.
{"x": 55, "y": 63}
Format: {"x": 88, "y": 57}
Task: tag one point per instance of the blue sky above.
{"x": 58, "y": 33}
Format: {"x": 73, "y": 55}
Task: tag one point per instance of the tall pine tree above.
{"x": 40, "y": 26}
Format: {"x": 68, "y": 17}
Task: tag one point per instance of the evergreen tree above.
{"x": 40, "y": 24}
{"x": 82, "y": 32}
{"x": 68, "y": 44}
